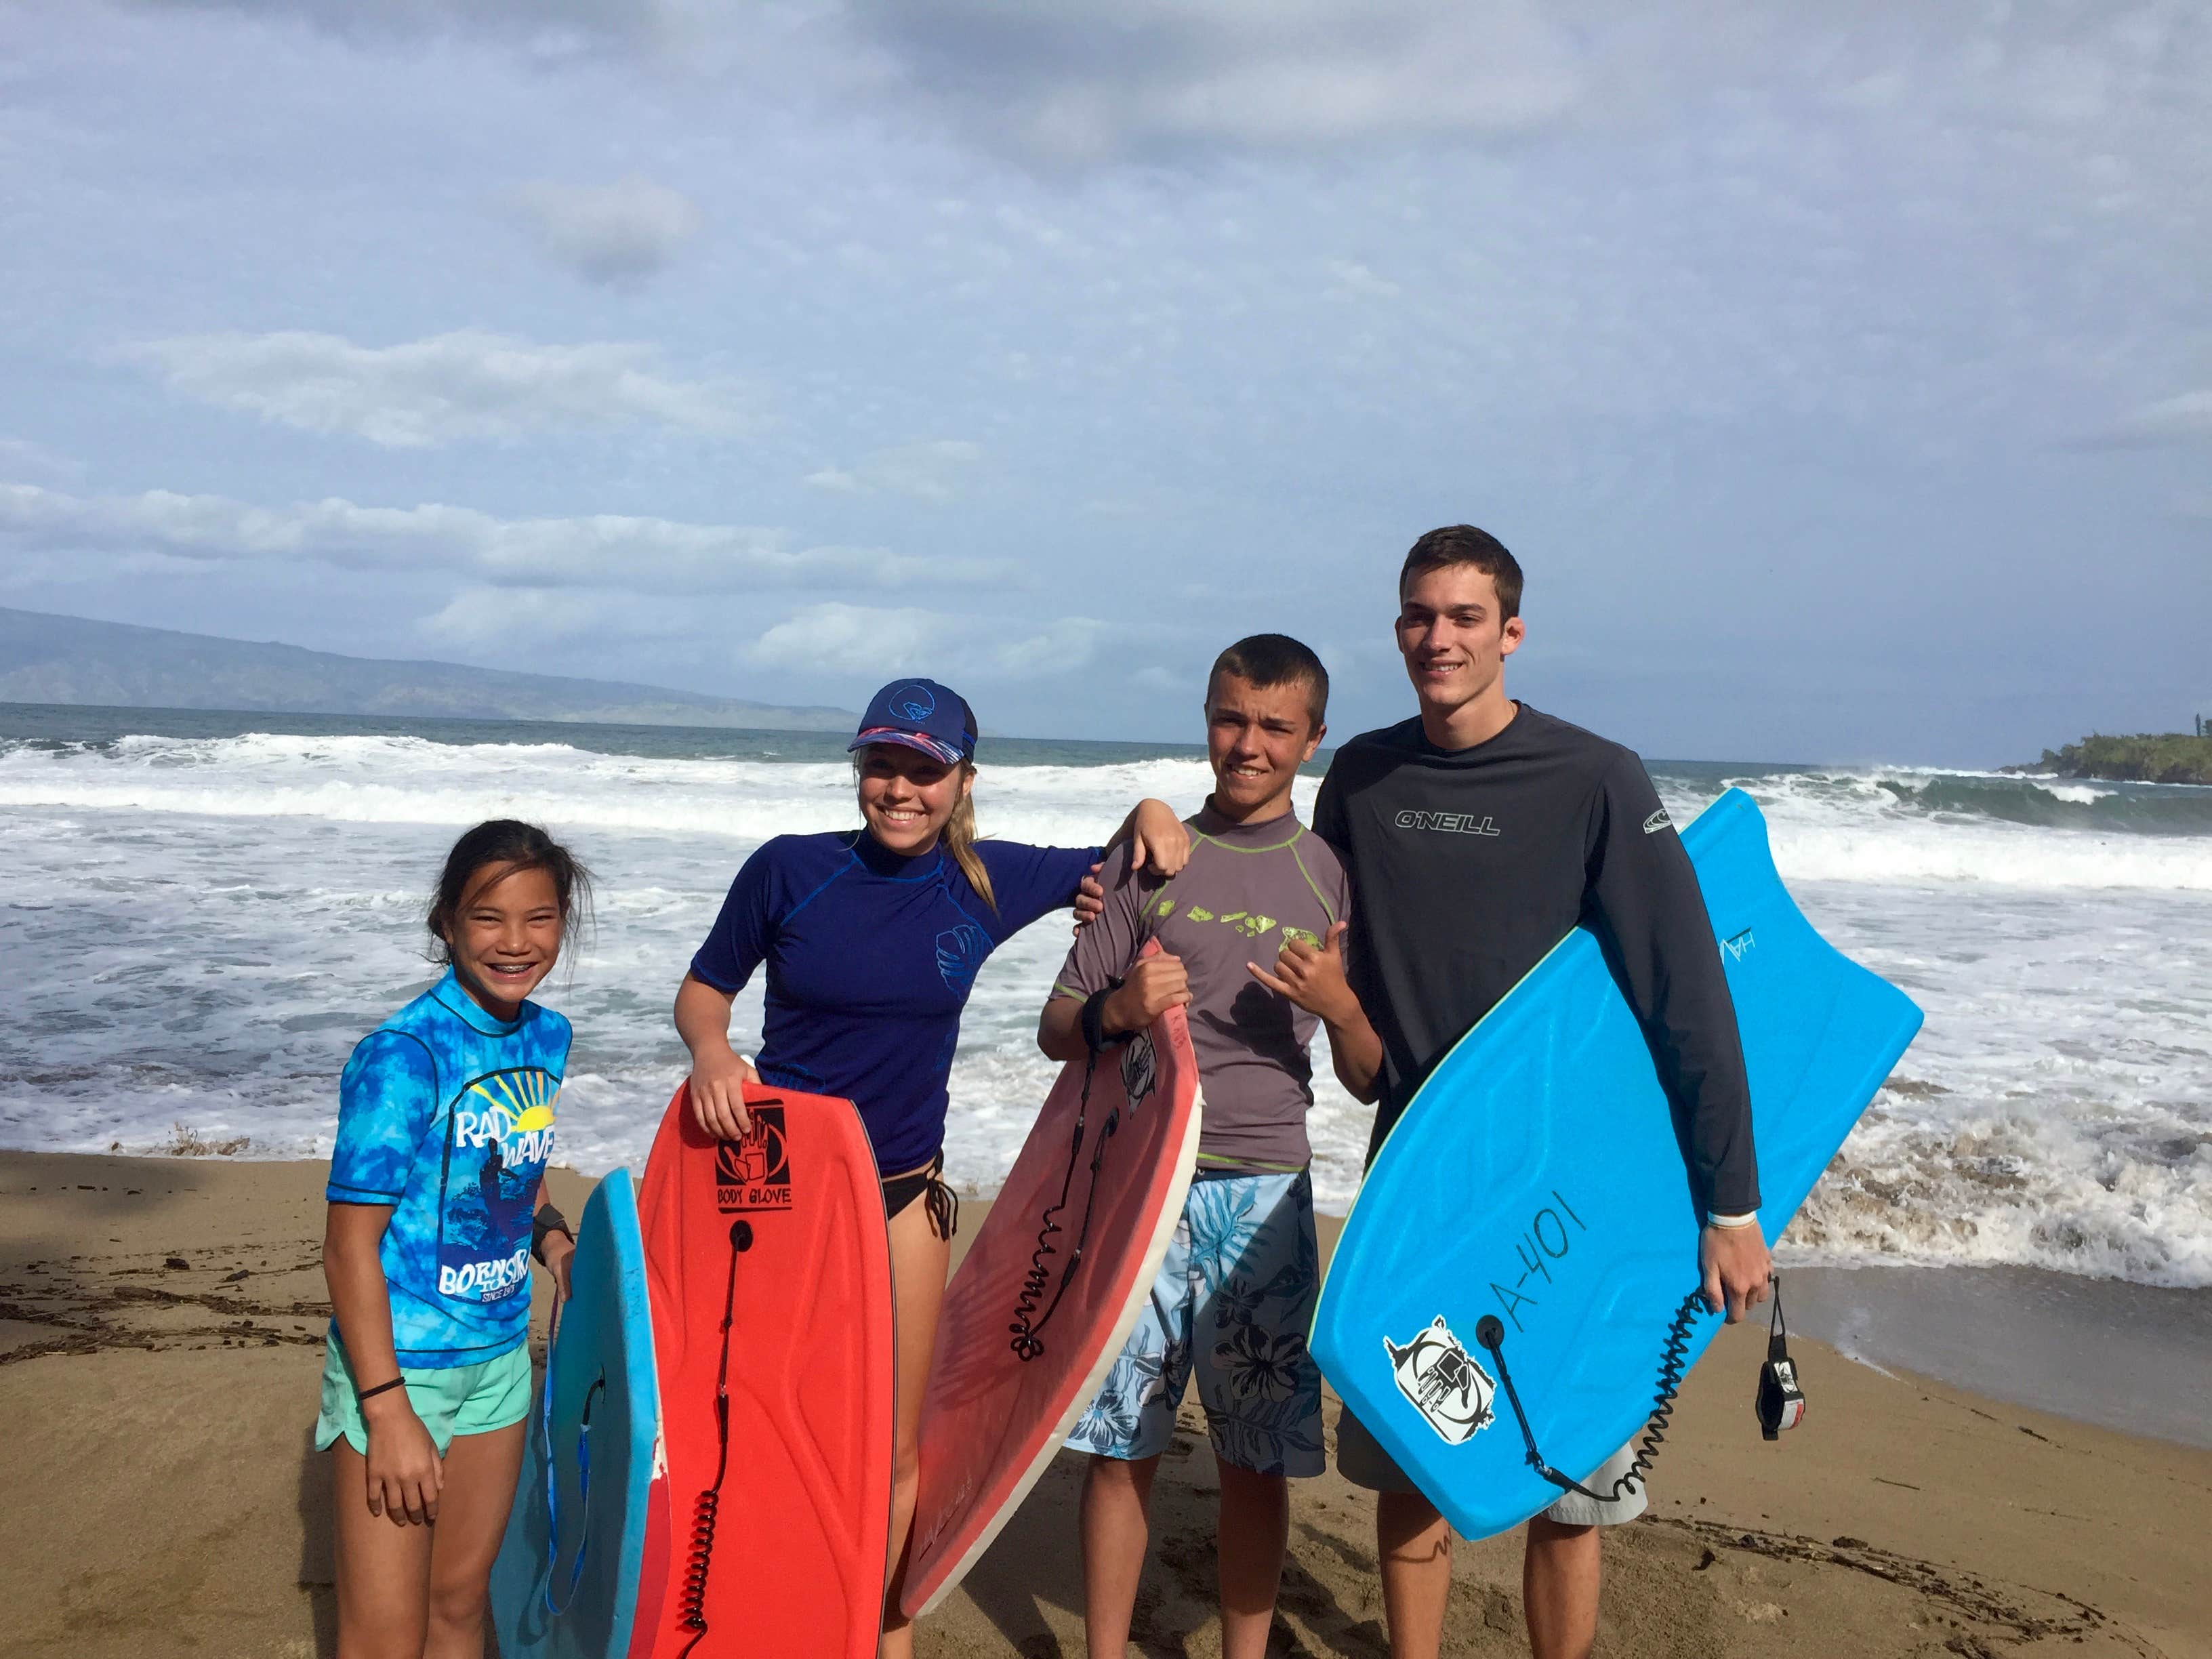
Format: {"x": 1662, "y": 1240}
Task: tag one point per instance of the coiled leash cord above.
{"x": 1028, "y": 1327}
{"x": 1138, "y": 1078}
{"x": 691, "y": 1603}
{"x": 1674, "y": 1357}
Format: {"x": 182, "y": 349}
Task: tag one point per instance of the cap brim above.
{"x": 943, "y": 753}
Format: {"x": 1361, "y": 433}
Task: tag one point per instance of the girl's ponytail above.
{"x": 959, "y": 839}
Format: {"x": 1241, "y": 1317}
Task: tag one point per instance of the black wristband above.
{"x": 547, "y": 1222}
{"x": 1094, "y": 1020}
{"x": 363, "y": 1395}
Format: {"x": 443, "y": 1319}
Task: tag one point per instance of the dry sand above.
{"x": 161, "y": 1324}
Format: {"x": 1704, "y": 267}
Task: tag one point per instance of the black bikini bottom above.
{"x": 900, "y": 1191}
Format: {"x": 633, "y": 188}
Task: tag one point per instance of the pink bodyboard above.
{"x": 1031, "y": 1327}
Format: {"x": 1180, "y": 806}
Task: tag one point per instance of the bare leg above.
{"x": 480, "y": 1475}
{"x": 1116, "y": 1528}
{"x": 1255, "y": 1533}
{"x": 1559, "y": 1590}
{"x": 919, "y": 1259}
{"x": 1415, "y": 1545}
{"x": 383, "y": 1569}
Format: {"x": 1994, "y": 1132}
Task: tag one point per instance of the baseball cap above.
{"x": 920, "y": 715}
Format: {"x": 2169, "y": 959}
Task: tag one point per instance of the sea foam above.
{"x": 198, "y": 928}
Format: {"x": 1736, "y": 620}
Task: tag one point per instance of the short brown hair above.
{"x": 1267, "y": 659}
{"x": 1462, "y": 544}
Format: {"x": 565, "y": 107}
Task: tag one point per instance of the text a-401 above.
{"x": 1547, "y": 1238}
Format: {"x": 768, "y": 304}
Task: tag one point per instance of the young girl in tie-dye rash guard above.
{"x": 446, "y": 1121}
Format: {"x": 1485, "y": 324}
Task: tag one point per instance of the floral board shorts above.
{"x": 1232, "y": 1303}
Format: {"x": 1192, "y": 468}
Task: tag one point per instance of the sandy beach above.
{"x": 161, "y": 1323}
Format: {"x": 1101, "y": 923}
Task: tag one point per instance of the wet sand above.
{"x": 161, "y": 1324}
{"x": 2129, "y": 1357}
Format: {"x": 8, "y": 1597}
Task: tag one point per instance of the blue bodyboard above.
{"x": 1536, "y": 1177}
{"x": 565, "y": 1583}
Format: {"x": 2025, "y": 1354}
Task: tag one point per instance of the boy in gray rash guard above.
{"x": 1234, "y": 1295}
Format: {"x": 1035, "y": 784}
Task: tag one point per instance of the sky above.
{"x": 1841, "y": 376}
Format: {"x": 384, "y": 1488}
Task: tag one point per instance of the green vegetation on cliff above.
{"x": 2146, "y": 757}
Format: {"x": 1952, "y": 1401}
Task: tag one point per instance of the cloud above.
{"x": 1351, "y": 279}
{"x": 463, "y": 385}
{"x": 2184, "y": 419}
{"x": 601, "y": 551}
{"x": 549, "y": 27}
{"x": 481, "y": 616}
{"x": 836, "y": 637}
{"x": 926, "y": 472}
{"x": 1076, "y": 80}
{"x": 1085, "y": 81}
{"x": 21, "y": 455}
{"x": 617, "y": 234}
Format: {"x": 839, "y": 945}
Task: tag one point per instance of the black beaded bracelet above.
{"x": 366, "y": 1394}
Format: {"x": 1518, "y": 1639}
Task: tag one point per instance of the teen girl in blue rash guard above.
{"x": 871, "y": 939}
{"x": 445, "y": 1125}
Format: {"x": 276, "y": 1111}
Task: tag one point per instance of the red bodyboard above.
{"x": 991, "y": 1419}
{"x": 803, "y": 1522}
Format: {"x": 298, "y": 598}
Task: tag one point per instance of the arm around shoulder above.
{"x": 1158, "y": 839}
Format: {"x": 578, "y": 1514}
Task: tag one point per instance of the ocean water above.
{"x": 201, "y": 913}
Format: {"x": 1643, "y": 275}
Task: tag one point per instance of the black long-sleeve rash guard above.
{"x": 1470, "y": 865}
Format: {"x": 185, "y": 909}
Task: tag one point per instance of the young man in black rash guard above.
{"x": 1478, "y": 834}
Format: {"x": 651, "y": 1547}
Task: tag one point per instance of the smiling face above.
{"x": 504, "y": 935}
{"x": 1455, "y": 642}
{"x": 1256, "y": 737}
{"x": 907, "y": 798}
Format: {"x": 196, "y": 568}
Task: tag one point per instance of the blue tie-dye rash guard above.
{"x": 870, "y": 960}
{"x": 446, "y": 1115}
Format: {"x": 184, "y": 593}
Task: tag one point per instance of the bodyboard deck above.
{"x": 784, "y": 1232}
{"x": 566, "y": 1582}
{"x": 1028, "y": 1331}
{"x": 1536, "y": 1178}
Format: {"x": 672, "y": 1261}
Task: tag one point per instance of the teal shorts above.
{"x": 492, "y": 1393}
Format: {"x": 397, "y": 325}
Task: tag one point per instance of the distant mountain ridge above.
{"x": 53, "y": 658}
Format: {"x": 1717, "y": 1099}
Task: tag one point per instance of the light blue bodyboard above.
{"x": 565, "y": 1583}
{"x": 1536, "y": 1177}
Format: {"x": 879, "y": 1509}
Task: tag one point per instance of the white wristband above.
{"x": 1730, "y": 1223}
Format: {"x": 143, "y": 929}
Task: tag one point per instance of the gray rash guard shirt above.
{"x": 1247, "y": 889}
{"x": 1472, "y": 864}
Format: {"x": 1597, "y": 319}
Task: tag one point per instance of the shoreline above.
{"x": 2015, "y": 1333}
{"x": 161, "y": 1324}
{"x": 2122, "y": 1356}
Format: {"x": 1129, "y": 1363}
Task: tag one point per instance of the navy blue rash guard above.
{"x": 870, "y": 956}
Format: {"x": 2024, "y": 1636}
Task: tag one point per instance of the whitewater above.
{"x": 202, "y": 912}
